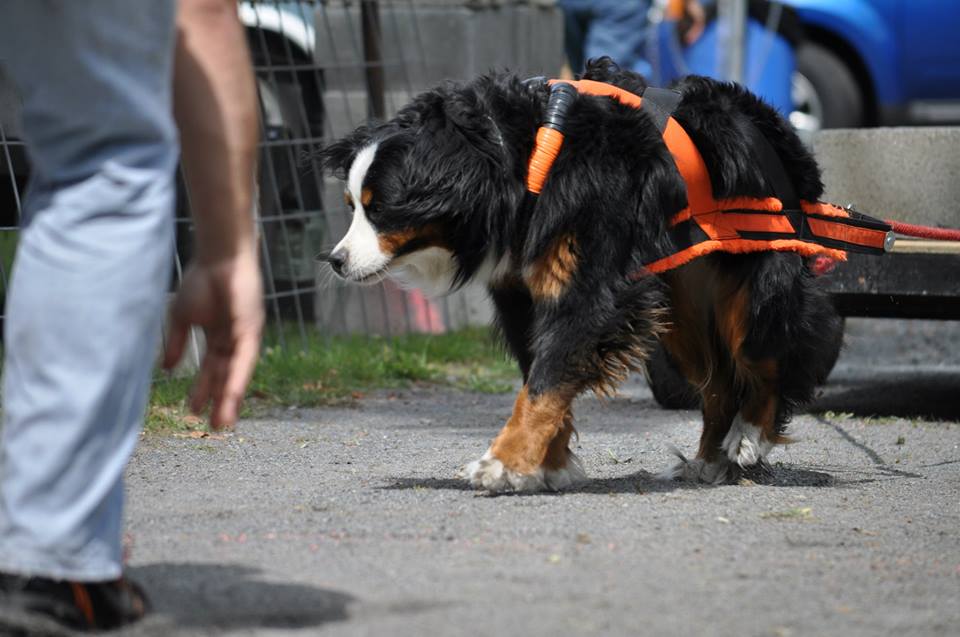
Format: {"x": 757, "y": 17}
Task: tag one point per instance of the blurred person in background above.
{"x": 618, "y": 28}
{"x": 594, "y": 28}
{"x": 105, "y": 87}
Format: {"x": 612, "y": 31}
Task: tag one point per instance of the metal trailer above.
{"x": 904, "y": 174}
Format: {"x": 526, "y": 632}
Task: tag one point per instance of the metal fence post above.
{"x": 373, "y": 57}
{"x": 732, "y": 21}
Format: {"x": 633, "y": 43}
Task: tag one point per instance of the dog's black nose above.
{"x": 337, "y": 260}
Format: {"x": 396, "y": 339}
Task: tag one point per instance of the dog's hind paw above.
{"x": 744, "y": 443}
{"x": 720, "y": 471}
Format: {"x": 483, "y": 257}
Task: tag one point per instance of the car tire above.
{"x": 670, "y": 389}
{"x": 835, "y": 347}
{"x": 836, "y": 92}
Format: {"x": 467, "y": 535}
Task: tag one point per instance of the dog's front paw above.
{"x": 744, "y": 444}
{"x": 489, "y": 473}
{"x": 566, "y": 477}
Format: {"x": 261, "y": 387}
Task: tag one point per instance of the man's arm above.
{"x": 215, "y": 106}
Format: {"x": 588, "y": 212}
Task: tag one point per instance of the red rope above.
{"x": 925, "y": 232}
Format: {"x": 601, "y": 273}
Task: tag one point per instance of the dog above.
{"x": 440, "y": 197}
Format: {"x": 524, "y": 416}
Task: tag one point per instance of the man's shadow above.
{"x": 229, "y": 596}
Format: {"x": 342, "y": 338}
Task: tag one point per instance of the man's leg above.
{"x": 576, "y": 21}
{"x": 93, "y": 265}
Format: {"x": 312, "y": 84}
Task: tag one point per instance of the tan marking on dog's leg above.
{"x": 523, "y": 442}
{"x": 550, "y": 275}
{"x": 688, "y": 340}
{"x": 732, "y": 312}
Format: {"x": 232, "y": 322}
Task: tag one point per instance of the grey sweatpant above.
{"x": 93, "y": 265}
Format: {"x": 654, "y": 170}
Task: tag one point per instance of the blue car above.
{"x": 852, "y": 62}
{"x": 877, "y": 62}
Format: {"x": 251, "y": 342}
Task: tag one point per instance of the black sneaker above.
{"x": 42, "y": 607}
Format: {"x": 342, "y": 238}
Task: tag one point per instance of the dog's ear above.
{"x": 453, "y": 110}
{"x": 467, "y": 115}
{"x": 337, "y": 157}
{"x": 424, "y": 108}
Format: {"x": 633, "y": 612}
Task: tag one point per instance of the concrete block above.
{"x": 906, "y": 174}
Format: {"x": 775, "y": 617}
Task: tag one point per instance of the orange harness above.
{"x": 741, "y": 224}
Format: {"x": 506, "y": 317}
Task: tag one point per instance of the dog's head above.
{"x": 423, "y": 189}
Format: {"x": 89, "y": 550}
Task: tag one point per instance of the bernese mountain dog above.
{"x": 439, "y": 197}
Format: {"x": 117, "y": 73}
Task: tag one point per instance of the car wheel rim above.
{"x": 807, "y": 114}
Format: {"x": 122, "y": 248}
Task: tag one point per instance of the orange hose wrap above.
{"x": 546, "y": 149}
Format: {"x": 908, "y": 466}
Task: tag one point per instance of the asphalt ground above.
{"x": 350, "y": 521}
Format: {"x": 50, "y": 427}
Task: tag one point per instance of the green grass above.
{"x": 340, "y": 369}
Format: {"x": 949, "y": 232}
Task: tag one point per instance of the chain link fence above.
{"x": 322, "y": 68}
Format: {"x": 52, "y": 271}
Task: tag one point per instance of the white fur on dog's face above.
{"x": 364, "y": 258}
{"x": 431, "y": 269}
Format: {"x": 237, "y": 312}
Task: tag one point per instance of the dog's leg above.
{"x": 704, "y": 365}
{"x": 530, "y": 453}
{"x": 562, "y": 468}
{"x": 514, "y": 317}
{"x": 753, "y": 433}
{"x": 711, "y": 466}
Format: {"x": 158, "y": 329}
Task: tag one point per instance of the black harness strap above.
{"x": 660, "y": 103}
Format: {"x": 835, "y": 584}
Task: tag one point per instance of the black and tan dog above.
{"x": 440, "y": 196}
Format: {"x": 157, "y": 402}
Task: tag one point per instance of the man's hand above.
{"x": 694, "y": 21}
{"x": 226, "y": 300}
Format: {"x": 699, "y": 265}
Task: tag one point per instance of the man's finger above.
{"x": 176, "y": 340}
{"x": 200, "y": 394}
{"x": 239, "y": 373}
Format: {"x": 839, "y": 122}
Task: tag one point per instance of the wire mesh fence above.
{"x": 322, "y": 68}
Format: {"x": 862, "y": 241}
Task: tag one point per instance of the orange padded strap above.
{"x": 740, "y": 246}
{"x": 692, "y": 168}
{"x": 592, "y": 87}
{"x": 866, "y": 237}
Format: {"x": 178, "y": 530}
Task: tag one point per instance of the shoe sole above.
{"x": 17, "y": 623}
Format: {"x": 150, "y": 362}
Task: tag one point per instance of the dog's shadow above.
{"x": 640, "y": 482}
{"x": 213, "y": 597}
{"x": 926, "y": 395}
